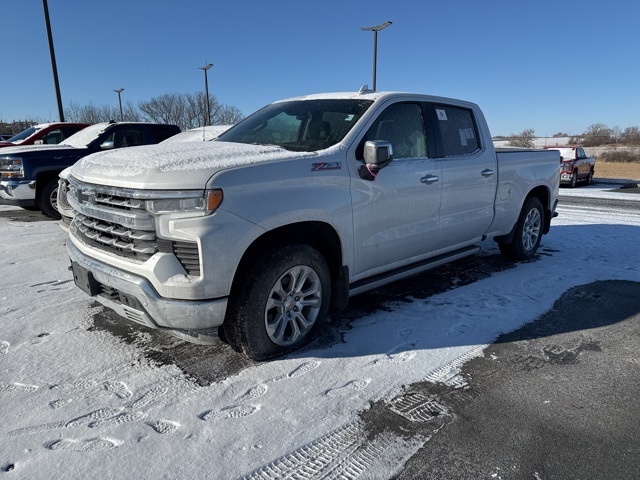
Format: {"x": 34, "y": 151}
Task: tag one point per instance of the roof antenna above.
{"x": 364, "y": 89}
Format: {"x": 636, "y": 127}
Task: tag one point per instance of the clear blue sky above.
{"x": 548, "y": 65}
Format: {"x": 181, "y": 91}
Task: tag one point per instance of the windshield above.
{"x": 18, "y": 138}
{"x": 299, "y": 125}
{"x": 85, "y": 136}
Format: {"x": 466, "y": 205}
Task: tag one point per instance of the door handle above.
{"x": 429, "y": 179}
{"x": 487, "y": 172}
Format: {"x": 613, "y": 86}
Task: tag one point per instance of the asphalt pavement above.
{"x": 556, "y": 399}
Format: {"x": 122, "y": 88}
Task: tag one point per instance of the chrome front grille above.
{"x": 123, "y": 203}
{"x": 115, "y": 221}
{"x": 115, "y": 238}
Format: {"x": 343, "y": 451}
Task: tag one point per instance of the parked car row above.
{"x": 30, "y": 167}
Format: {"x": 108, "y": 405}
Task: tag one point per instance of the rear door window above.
{"x": 456, "y": 131}
{"x": 53, "y": 137}
{"x": 127, "y": 136}
{"x": 162, "y": 132}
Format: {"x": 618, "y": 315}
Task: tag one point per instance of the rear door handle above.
{"x": 487, "y": 172}
{"x": 429, "y": 179}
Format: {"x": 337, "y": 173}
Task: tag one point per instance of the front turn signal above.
{"x": 213, "y": 199}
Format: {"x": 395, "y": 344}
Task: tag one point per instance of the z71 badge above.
{"x": 316, "y": 167}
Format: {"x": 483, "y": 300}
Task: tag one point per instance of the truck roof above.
{"x": 373, "y": 96}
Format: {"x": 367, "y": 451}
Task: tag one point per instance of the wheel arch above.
{"x": 44, "y": 177}
{"x": 543, "y": 194}
{"x": 319, "y": 235}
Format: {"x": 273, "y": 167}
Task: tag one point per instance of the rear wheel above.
{"x": 279, "y": 303}
{"x": 528, "y": 232}
{"x": 590, "y": 177}
{"x": 48, "y": 199}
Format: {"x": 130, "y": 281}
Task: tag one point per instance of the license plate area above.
{"x": 83, "y": 278}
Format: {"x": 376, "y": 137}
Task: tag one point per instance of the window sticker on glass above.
{"x": 442, "y": 115}
{"x": 349, "y": 118}
{"x": 466, "y": 134}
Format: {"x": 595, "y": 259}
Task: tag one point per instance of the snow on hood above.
{"x": 158, "y": 166}
{"x": 199, "y": 134}
{"x": 33, "y": 148}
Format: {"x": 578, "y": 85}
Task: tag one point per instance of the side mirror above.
{"x": 377, "y": 155}
{"x": 108, "y": 145}
{"x": 38, "y": 142}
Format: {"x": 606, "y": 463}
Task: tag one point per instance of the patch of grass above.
{"x": 620, "y": 156}
{"x": 615, "y": 170}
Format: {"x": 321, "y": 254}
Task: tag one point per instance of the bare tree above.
{"x": 189, "y": 110}
{"x": 523, "y": 139}
{"x": 168, "y": 108}
{"x": 197, "y": 109}
{"x": 616, "y": 132}
{"x": 131, "y": 113}
{"x": 228, "y": 115}
{"x": 596, "y": 134}
{"x": 631, "y": 136}
{"x": 91, "y": 113}
{"x": 185, "y": 110}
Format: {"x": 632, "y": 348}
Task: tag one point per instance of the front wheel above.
{"x": 280, "y": 302}
{"x": 574, "y": 179}
{"x": 48, "y": 199}
{"x": 528, "y": 232}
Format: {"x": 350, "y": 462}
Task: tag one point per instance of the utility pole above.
{"x": 53, "y": 59}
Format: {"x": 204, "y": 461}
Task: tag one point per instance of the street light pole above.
{"x": 45, "y": 6}
{"x": 119, "y": 91}
{"x": 375, "y": 31}
{"x": 206, "y": 91}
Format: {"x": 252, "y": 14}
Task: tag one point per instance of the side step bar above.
{"x": 409, "y": 270}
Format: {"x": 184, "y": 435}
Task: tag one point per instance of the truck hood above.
{"x": 181, "y": 166}
{"x": 17, "y": 149}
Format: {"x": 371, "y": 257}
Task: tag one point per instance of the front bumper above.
{"x": 134, "y": 298}
{"x": 21, "y": 193}
{"x": 565, "y": 177}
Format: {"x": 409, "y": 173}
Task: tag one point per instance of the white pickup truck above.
{"x": 305, "y": 203}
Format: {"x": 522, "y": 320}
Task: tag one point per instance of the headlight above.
{"x": 11, "y": 167}
{"x": 64, "y": 174}
{"x": 203, "y": 203}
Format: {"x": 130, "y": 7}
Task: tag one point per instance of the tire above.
{"x": 280, "y": 302}
{"x": 590, "y": 177}
{"x": 528, "y": 232}
{"x": 574, "y": 179}
{"x": 48, "y": 199}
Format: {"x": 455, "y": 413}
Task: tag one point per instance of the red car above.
{"x": 44, "y": 134}
{"x": 576, "y": 165}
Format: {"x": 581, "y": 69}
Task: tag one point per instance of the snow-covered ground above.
{"x": 79, "y": 403}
